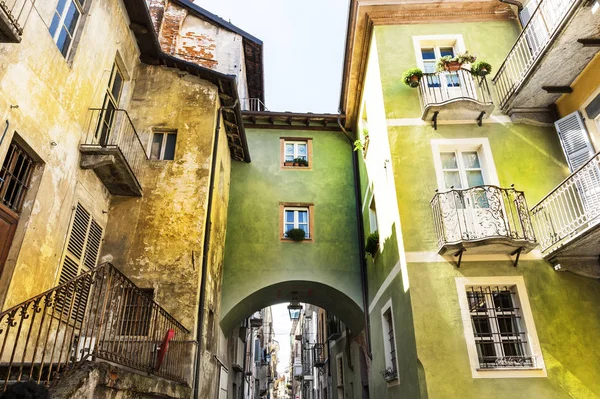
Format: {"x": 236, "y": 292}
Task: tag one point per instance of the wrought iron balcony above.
{"x": 456, "y": 95}
{"x": 112, "y": 148}
{"x": 548, "y": 55}
{"x": 334, "y": 327}
{"x": 13, "y": 14}
{"x": 319, "y": 354}
{"x": 100, "y": 314}
{"x": 482, "y": 219}
{"x": 567, "y": 220}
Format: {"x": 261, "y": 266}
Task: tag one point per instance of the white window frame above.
{"x": 297, "y": 209}
{"x": 373, "y": 224}
{"x": 436, "y": 41}
{"x": 593, "y": 125}
{"x": 61, "y": 24}
{"x": 481, "y": 145}
{"x": 165, "y": 133}
{"x": 295, "y": 143}
{"x": 462, "y": 284}
{"x": 386, "y": 340}
{"x": 340, "y": 373}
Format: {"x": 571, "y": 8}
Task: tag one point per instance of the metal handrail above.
{"x": 114, "y": 128}
{"x": 100, "y": 314}
{"x": 15, "y": 11}
{"x": 570, "y": 208}
{"x": 442, "y": 87}
{"x": 253, "y": 104}
{"x": 481, "y": 212}
{"x": 549, "y": 15}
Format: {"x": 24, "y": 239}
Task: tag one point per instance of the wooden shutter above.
{"x": 223, "y": 383}
{"x": 83, "y": 247}
{"x": 574, "y": 140}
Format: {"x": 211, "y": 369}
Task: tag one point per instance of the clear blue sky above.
{"x": 303, "y": 48}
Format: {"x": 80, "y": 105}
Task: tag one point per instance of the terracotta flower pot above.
{"x": 452, "y": 66}
{"x": 414, "y": 81}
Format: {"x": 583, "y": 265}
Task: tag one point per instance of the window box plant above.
{"x": 481, "y": 68}
{"x": 452, "y": 64}
{"x": 296, "y": 162}
{"x": 362, "y": 145}
{"x": 295, "y": 234}
{"x": 390, "y": 374}
{"x": 372, "y": 244}
{"x": 412, "y": 77}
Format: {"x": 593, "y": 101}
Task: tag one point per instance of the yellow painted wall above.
{"x": 53, "y": 96}
{"x": 584, "y": 86}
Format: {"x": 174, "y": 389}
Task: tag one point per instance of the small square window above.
{"x": 296, "y": 153}
{"x": 163, "y": 145}
{"x": 296, "y": 216}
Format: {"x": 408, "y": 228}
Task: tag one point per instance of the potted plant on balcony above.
{"x": 411, "y": 77}
{"x": 372, "y": 244}
{"x": 481, "y": 68}
{"x": 295, "y": 234}
{"x": 452, "y": 64}
{"x": 296, "y": 162}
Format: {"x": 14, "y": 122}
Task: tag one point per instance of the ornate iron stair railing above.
{"x": 100, "y": 314}
{"x": 570, "y": 209}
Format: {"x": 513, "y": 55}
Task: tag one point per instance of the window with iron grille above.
{"x": 391, "y": 371}
{"x": 15, "y": 177}
{"x": 498, "y": 327}
{"x": 137, "y": 312}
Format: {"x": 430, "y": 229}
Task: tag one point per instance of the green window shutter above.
{"x": 575, "y": 140}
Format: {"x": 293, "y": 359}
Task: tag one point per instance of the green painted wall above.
{"x": 426, "y": 311}
{"x": 566, "y": 316}
{"x": 255, "y": 257}
{"x": 396, "y": 54}
{"x": 527, "y": 156}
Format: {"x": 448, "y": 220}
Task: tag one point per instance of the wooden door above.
{"x": 8, "y": 225}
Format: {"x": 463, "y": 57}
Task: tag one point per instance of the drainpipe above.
{"x": 205, "y": 248}
{"x": 361, "y": 240}
{"x": 5, "y": 130}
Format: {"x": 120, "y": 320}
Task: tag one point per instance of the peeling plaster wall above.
{"x": 157, "y": 240}
{"x": 186, "y": 36}
{"x": 53, "y": 95}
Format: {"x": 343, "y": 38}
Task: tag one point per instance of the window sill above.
{"x": 393, "y": 382}
{"x": 512, "y": 372}
{"x": 285, "y": 167}
{"x": 285, "y": 239}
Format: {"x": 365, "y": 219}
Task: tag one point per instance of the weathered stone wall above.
{"x": 53, "y": 96}
{"x": 185, "y": 35}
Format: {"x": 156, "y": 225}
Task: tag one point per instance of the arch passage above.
{"x": 318, "y": 294}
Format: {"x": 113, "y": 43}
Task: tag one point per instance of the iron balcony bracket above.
{"x": 434, "y": 119}
{"x": 518, "y": 253}
{"x": 459, "y": 254}
{"x": 480, "y": 118}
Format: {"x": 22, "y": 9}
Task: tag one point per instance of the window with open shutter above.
{"x": 83, "y": 247}
{"x": 575, "y": 140}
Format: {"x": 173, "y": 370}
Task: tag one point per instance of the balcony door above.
{"x": 105, "y": 132}
{"x": 443, "y": 86}
{"x": 477, "y": 207}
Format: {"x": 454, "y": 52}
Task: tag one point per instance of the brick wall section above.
{"x": 192, "y": 45}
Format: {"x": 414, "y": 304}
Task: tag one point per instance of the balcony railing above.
{"x": 13, "y": 14}
{"x": 100, "y": 314}
{"x": 456, "y": 88}
{"x": 253, "y": 104}
{"x": 319, "y": 354}
{"x": 530, "y": 46}
{"x": 482, "y": 215}
{"x": 111, "y": 132}
{"x": 570, "y": 209}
